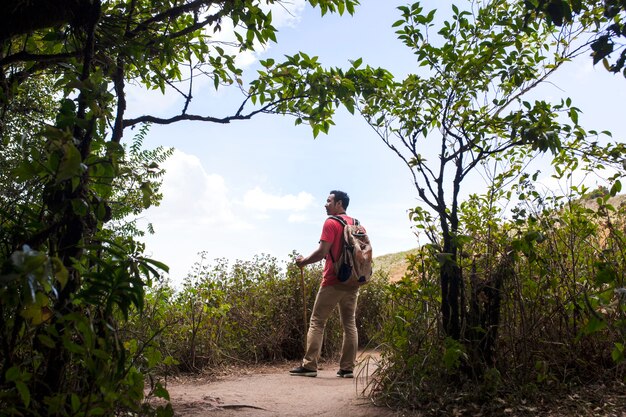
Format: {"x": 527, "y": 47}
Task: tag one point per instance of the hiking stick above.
{"x": 305, "y": 322}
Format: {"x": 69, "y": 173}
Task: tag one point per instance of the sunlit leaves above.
{"x": 606, "y": 18}
{"x": 339, "y": 6}
{"x": 484, "y": 55}
{"x": 301, "y": 86}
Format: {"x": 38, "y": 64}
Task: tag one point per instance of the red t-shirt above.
{"x": 332, "y": 232}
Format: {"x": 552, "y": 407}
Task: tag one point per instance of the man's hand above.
{"x": 317, "y": 255}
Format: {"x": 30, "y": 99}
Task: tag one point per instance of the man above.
{"x": 331, "y": 294}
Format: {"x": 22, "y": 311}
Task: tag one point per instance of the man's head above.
{"x": 337, "y": 202}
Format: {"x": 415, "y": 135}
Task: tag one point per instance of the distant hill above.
{"x": 590, "y": 200}
{"x": 394, "y": 263}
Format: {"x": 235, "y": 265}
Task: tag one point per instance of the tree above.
{"x": 65, "y": 278}
{"x": 469, "y": 110}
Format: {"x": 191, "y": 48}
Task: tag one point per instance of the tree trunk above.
{"x": 484, "y": 315}
{"x": 72, "y": 231}
{"x": 450, "y": 275}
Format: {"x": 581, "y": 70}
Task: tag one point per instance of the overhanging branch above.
{"x": 269, "y": 108}
{"x": 24, "y": 56}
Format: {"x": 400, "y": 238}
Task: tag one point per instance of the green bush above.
{"x": 562, "y": 318}
{"x": 248, "y": 312}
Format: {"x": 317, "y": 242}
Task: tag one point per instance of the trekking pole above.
{"x": 303, "y": 305}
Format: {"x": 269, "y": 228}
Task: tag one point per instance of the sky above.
{"x": 258, "y": 187}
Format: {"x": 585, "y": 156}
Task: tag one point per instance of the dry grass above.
{"x": 393, "y": 263}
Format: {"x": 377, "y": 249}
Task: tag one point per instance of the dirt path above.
{"x": 270, "y": 391}
{"x": 273, "y": 392}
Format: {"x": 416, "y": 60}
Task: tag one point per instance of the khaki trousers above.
{"x": 327, "y": 298}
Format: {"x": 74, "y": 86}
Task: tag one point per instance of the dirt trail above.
{"x": 273, "y": 392}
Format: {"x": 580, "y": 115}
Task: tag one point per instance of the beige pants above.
{"x": 327, "y": 298}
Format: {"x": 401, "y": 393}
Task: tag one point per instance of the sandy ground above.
{"x": 274, "y": 392}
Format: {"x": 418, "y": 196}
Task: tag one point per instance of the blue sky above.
{"x": 259, "y": 186}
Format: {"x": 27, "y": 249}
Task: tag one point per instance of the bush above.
{"x": 248, "y": 312}
{"x": 562, "y": 317}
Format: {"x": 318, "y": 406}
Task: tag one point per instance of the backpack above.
{"x": 354, "y": 266}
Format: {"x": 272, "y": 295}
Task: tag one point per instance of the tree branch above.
{"x": 24, "y": 56}
{"x": 118, "y": 84}
{"x": 172, "y": 13}
{"x": 195, "y": 117}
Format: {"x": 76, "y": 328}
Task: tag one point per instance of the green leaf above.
{"x": 157, "y": 264}
{"x": 73, "y": 347}
{"x": 146, "y": 194}
{"x": 12, "y": 374}
{"x": 161, "y": 392}
{"x": 341, "y": 7}
{"x": 24, "y": 392}
{"x": 37, "y": 312}
{"x": 70, "y": 165}
{"x": 61, "y": 273}
{"x": 618, "y": 353}
{"x": 316, "y": 131}
{"x": 606, "y": 274}
{"x": 46, "y": 340}
{"x": 75, "y": 401}
{"x": 357, "y": 63}
{"x": 349, "y": 106}
{"x": 594, "y": 325}
{"x": 79, "y": 207}
{"x": 616, "y": 188}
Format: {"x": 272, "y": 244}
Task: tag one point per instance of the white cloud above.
{"x": 199, "y": 212}
{"x": 194, "y": 197}
{"x": 142, "y": 101}
{"x": 297, "y": 218}
{"x": 196, "y": 214}
{"x": 286, "y": 13}
{"x": 258, "y": 199}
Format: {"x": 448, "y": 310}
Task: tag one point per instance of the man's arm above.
{"x": 317, "y": 255}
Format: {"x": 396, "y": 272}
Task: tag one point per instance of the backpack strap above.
{"x": 339, "y": 219}
{"x": 344, "y": 224}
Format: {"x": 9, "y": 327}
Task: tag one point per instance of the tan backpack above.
{"x": 354, "y": 266}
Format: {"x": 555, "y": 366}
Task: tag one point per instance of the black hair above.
{"x": 341, "y": 196}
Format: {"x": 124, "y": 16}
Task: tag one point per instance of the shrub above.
{"x": 562, "y": 317}
{"x": 247, "y": 312}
